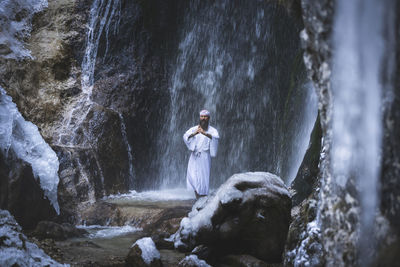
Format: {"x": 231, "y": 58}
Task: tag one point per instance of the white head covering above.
{"x": 205, "y": 112}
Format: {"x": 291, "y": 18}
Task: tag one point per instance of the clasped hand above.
{"x": 199, "y": 130}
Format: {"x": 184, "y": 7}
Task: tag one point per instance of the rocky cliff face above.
{"x": 338, "y": 213}
{"x": 101, "y": 97}
{"x": 90, "y": 135}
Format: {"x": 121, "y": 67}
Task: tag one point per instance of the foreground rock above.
{"x": 193, "y": 261}
{"x": 21, "y": 194}
{"x": 143, "y": 253}
{"x": 249, "y": 214}
{"x": 15, "y": 249}
{"x": 47, "y": 229}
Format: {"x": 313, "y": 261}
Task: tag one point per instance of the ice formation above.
{"x": 149, "y": 251}
{"x": 24, "y": 139}
{"x": 16, "y": 250}
{"x": 15, "y": 21}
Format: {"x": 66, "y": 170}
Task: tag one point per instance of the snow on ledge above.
{"x": 149, "y": 250}
{"x": 16, "y": 250}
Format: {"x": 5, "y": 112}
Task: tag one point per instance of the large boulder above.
{"x": 249, "y": 214}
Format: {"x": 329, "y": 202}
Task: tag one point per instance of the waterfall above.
{"x": 75, "y": 115}
{"x": 243, "y": 64}
{"x": 357, "y": 96}
{"x": 129, "y": 150}
{"x": 104, "y": 15}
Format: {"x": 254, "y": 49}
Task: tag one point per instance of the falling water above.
{"x": 357, "y": 90}
{"x": 129, "y": 150}
{"x": 243, "y": 63}
{"x": 76, "y": 114}
{"x": 103, "y": 14}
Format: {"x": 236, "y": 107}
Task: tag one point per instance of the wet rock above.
{"x": 193, "y": 261}
{"x": 390, "y": 170}
{"x": 143, "y": 253}
{"x": 249, "y": 214}
{"x": 167, "y": 221}
{"x": 204, "y": 253}
{"x": 21, "y": 194}
{"x": 101, "y": 213}
{"x": 306, "y": 180}
{"x": 47, "y": 229}
{"x": 304, "y": 241}
{"x": 161, "y": 242}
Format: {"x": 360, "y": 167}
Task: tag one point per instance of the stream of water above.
{"x": 359, "y": 47}
{"x": 239, "y": 62}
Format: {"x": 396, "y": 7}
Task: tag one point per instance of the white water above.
{"x": 229, "y": 62}
{"x": 76, "y": 114}
{"x": 99, "y": 231}
{"x": 303, "y": 133}
{"x": 357, "y": 95}
{"x": 24, "y": 139}
{"x": 156, "y": 195}
{"x": 129, "y": 150}
{"x": 72, "y": 131}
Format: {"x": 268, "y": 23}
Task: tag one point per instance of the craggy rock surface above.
{"x": 390, "y": 204}
{"x": 47, "y": 229}
{"x": 306, "y": 181}
{"x": 338, "y": 205}
{"x": 15, "y": 249}
{"x": 249, "y": 214}
{"x": 21, "y": 194}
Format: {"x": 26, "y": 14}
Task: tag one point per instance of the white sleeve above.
{"x": 214, "y": 143}
{"x": 190, "y": 143}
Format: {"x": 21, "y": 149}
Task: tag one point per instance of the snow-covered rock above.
{"x": 249, "y": 214}
{"x": 16, "y": 250}
{"x": 15, "y": 19}
{"x": 143, "y": 253}
{"x": 24, "y": 139}
{"x": 193, "y": 261}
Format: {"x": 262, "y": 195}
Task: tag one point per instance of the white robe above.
{"x": 202, "y": 148}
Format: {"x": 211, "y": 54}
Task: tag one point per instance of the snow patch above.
{"x": 24, "y": 139}
{"x": 149, "y": 251}
{"x": 16, "y": 250}
{"x": 193, "y": 260}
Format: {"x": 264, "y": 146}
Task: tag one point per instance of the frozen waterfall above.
{"x": 24, "y": 139}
